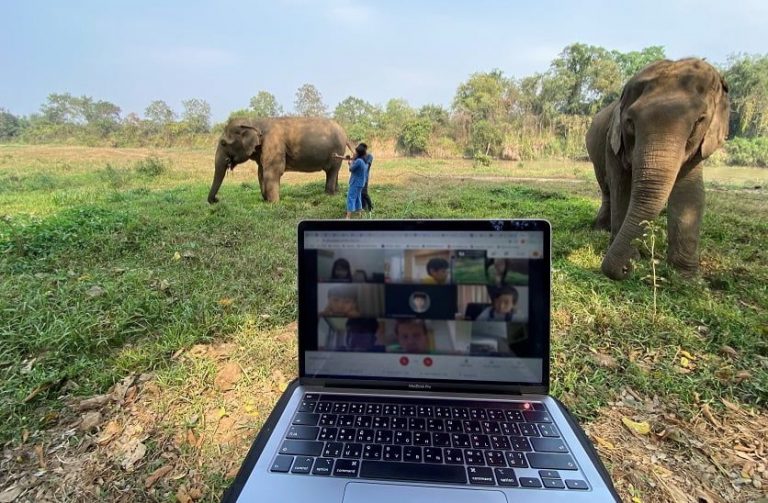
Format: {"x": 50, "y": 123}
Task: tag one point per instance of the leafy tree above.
{"x": 60, "y": 109}
{"x": 309, "y": 102}
{"x": 415, "y": 135}
{"x": 485, "y": 96}
{"x": 159, "y": 113}
{"x": 10, "y": 125}
{"x": 747, "y": 77}
{"x": 358, "y": 117}
{"x": 264, "y": 104}
{"x": 632, "y": 62}
{"x": 101, "y": 117}
{"x": 485, "y": 138}
{"x": 396, "y": 113}
{"x": 197, "y": 115}
{"x": 437, "y": 116}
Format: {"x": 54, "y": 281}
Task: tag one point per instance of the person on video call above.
{"x": 499, "y": 272}
{"x": 412, "y": 337}
{"x": 341, "y": 270}
{"x": 437, "y": 270}
{"x": 503, "y": 303}
{"x": 419, "y": 302}
{"x": 342, "y": 302}
{"x": 361, "y": 334}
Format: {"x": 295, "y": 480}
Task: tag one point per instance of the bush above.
{"x": 151, "y": 167}
{"x": 747, "y": 152}
{"x": 414, "y": 136}
{"x": 482, "y": 159}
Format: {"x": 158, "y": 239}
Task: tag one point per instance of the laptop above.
{"x": 404, "y": 397}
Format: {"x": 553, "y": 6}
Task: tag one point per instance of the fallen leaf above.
{"x": 133, "y": 456}
{"x": 118, "y": 392}
{"x": 221, "y": 412}
{"x": 110, "y": 431}
{"x": 226, "y": 302}
{"x": 157, "y": 475}
{"x": 684, "y": 362}
{"x": 227, "y": 377}
{"x": 742, "y": 375}
{"x": 40, "y": 453}
{"x": 163, "y": 285}
{"x": 604, "y": 443}
{"x": 729, "y": 351}
{"x": 687, "y": 355}
{"x": 606, "y": 361}
{"x": 731, "y": 405}
{"x": 708, "y": 414}
{"x": 90, "y": 420}
{"x": 177, "y": 256}
{"x": 182, "y": 496}
{"x": 641, "y": 428}
{"x": 10, "y": 495}
{"x": 92, "y": 403}
{"x": 191, "y": 438}
{"x": 95, "y": 291}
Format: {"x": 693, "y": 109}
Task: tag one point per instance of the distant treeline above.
{"x": 544, "y": 115}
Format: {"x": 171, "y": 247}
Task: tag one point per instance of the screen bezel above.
{"x": 307, "y": 330}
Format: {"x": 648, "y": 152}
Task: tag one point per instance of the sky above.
{"x": 133, "y": 52}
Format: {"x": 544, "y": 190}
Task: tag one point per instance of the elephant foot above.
{"x": 686, "y": 269}
{"x": 602, "y": 225}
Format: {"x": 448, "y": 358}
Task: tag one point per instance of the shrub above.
{"x": 482, "y": 159}
{"x": 414, "y": 136}
{"x": 747, "y": 152}
{"x": 151, "y": 166}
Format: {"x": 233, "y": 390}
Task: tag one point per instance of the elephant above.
{"x": 278, "y": 144}
{"x": 648, "y": 149}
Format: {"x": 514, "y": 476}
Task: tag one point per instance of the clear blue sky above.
{"x": 132, "y": 52}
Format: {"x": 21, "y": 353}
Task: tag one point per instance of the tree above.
{"x": 264, "y": 104}
{"x": 485, "y": 96}
{"x": 60, "y": 109}
{"x": 747, "y": 78}
{"x": 632, "y": 62}
{"x": 415, "y": 134}
{"x": 197, "y": 115}
{"x": 396, "y": 113}
{"x": 159, "y": 113}
{"x": 358, "y": 117}
{"x": 10, "y": 125}
{"x": 309, "y": 102}
{"x": 101, "y": 117}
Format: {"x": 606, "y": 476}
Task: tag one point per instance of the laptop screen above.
{"x": 458, "y": 301}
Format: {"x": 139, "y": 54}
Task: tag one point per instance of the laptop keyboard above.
{"x": 512, "y": 444}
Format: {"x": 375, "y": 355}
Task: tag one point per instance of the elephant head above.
{"x": 671, "y": 116}
{"x": 237, "y": 144}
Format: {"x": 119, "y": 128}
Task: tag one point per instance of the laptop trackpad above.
{"x": 360, "y": 492}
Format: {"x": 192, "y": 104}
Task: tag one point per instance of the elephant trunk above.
{"x": 221, "y": 165}
{"x": 656, "y": 163}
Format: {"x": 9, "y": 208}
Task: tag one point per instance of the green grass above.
{"x": 69, "y": 226}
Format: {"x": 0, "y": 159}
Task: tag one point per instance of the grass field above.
{"x": 114, "y": 269}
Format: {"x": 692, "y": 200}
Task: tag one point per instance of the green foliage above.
{"x": 481, "y": 159}
{"x": 747, "y": 152}
{"x": 633, "y": 61}
{"x": 747, "y": 78}
{"x": 358, "y": 117}
{"x": 197, "y": 115}
{"x": 10, "y": 125}
{"x": 151, "y": 167}
{"x": 159, "y": 113}
{"x": 396, "y": 114}
{"x": 415, "y": 135}
{"x": 264, "y": 104}
{"x": 485, "y": 138}
{"x": 309, "y": 102}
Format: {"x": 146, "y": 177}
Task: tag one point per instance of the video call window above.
{"x": 499, "y": 339}
{"x": 492, "y": 303}
{"x": 350, "y": 266}
{"x": 428, "y": 267}
{"x": 346, "y": 300}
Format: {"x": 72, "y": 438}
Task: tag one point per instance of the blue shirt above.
{"x": 358, "y": 173}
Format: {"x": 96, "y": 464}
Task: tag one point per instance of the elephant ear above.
{"x": 252, "y": 136}
{"x": 718, "y": 127}
{"x": 614, "y": 129}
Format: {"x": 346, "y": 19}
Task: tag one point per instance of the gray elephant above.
{"x": 280, "y": 144}
{"x": 647, "y": 149}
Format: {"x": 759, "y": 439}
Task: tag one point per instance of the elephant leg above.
{"x": 332, "y": 177}
{"x": 261, "y": 181}
{"x": 272, "y": 173}
{"x": 619, "y": 193}
{"x": 603, "y": 220}
{"x": 684, "y": 213}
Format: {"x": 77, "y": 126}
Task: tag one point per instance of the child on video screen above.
{"x": 362, "y": 334}
{"x": 437, "y": 269}
{"x": 341, "y": 270}
{"x": 502, "y": 308}
{"x": 412, "y": 337}
{"x": 342, "y": 302}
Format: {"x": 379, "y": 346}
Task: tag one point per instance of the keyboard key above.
{"x": 353, "y": 451}
{"x": 372, "y": 451}
{"x": 480, "y": 476}
{"x": 303, "y": 432}
{"x": 535, "y": 416}
{"x": 282, "y": 464}
{"x": 323, "y": 407}
{"x": 306, "y": 419}
{"x": 548, "y": 445}
{"x": 390, "y": 409}
{"x": 516, "y": 459}
{"x": 399, "y": 423}
{"x": 548, "y": 430}
{"x": 363, "y": 421}
{"x": 333, "y": 449}
{"x": 311, "y": 396}
{"x": 480, "y": 441}
{"x": 490, "y": 427}
{"x": 403, "y": 438}
{"x": 346, "y": 420}
{"x": 474, "y": 457}
{"x": 500, "y": 442}
{"x": 496, "y": 414}
{"x": 383, "y": 437}
{"x": 373, "y": 409}
{"x": 307, "y": 406}
{"x": 528, "y": 429}
{"x": 327, "y": 433}
{"x": 529, "y": 482}
{"x": 393, "y": 453}
{"x": 408, "y": 410}
{"x": 340, "y": 408}
{"x": 549, "y": 474}
{"x": 435, "y": 425}
{"x": 494, "y": 458}
{"x": 443, "y": 412}
{"x": 460, "y": 413}
{"x": 506, "y": 477}
{"x": 346, "y": 434}
{"x": 301, "y": 448}
{"x": 346, "y": 468}
{"x": 328, "y": 419}
{"x": 472, "y": 427}
{"x": 303, "y": 464}
{"x": 454, "y": 456}
{"x": 460, "y": 440}
{"x": 433, "y": 455}
{"x": 514, "y": 416}
{"x": 419, "y": 472}
{"x": 381, "y": 422}
{"x": 424, "y": 411}
{"x": 365, "y": 436}
{"x": 510, "y": 429}
{"x": 551, "y": 461}
{"x": 323, "y": 466}
{"x": 520, "y": 444}
{"x": 553, "y": 483}
{"x": 476, "y": 413}
{"x": 412, "y": 454}
{"x": 422, "y": 438}
{"x": 454, "y": 426}
{"x": 417, "y": 423}
{"x": 441, "y": 440}
{"x": 576, "y": 484}
{"x": 356, "y": 408}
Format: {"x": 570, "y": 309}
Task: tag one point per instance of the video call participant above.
{"x": 361, "y": 335}
{"x": 412, "y": 337}
{"x": 437, "y": 269}
{"x": 341, "y": 270}
{"x": 502, "y": 308}
{"x": 342, "y": 302}
{"x": 499, "y": 272}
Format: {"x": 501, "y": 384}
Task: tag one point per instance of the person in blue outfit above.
{"x": 358, "y": 175}
{"x": 367, "y": 203}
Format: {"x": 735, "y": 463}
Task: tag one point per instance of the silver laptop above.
{"x": 423, "y": 372}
